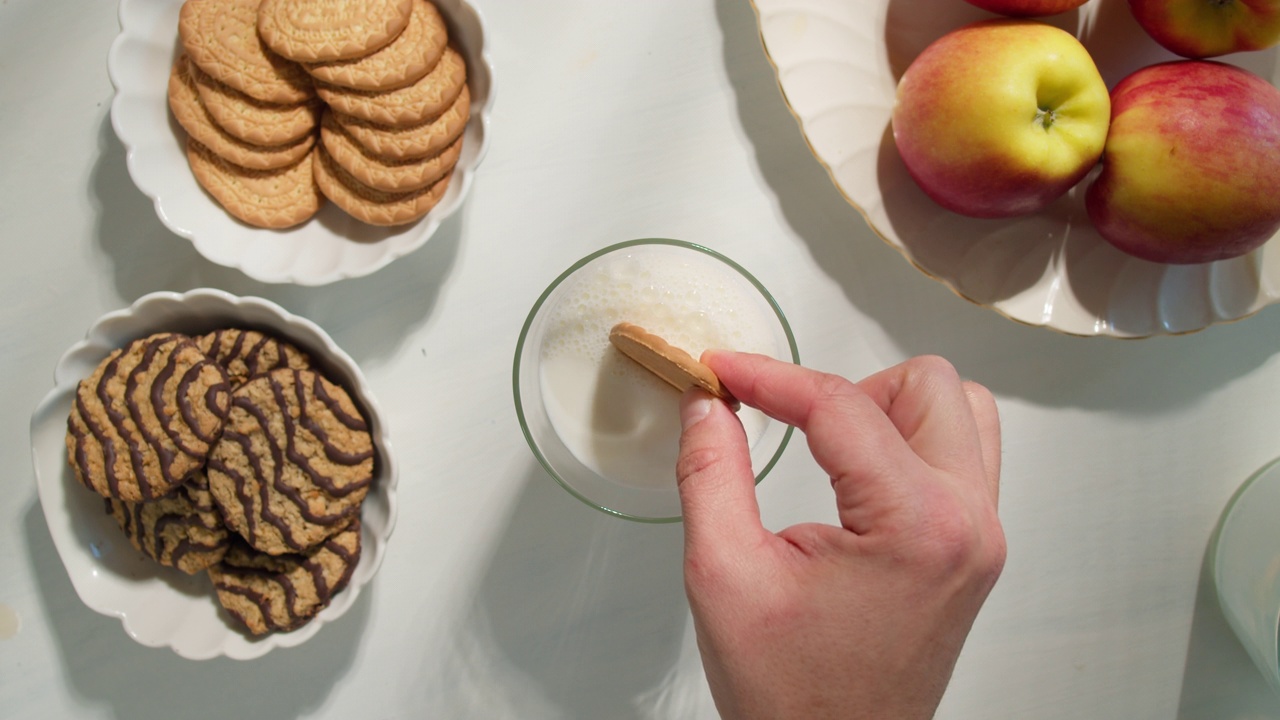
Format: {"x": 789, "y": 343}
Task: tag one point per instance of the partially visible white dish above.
{"x": 838, "y": 63}
{"x": 330, "y": 246}
{"x": 161, "y": 606}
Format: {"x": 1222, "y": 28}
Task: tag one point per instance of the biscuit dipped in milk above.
{"x": 617, "y": 418}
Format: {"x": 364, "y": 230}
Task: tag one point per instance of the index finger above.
{"x": 917, "y": 411}
{"x": 849, "y": 434}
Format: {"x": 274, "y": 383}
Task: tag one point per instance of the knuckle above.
{"x": 834, "y": 394}
{"x": 935, "y": 365}
{"x": 961, "y": 541}
{"x": 693, "y": 462}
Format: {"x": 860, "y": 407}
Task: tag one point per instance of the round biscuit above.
{"x": 182, "y": 530}
{"x": 322, "y": 30}
{"x": 276, "y": 198}
{"x": 672, "y": 364}
{"x": 403, "y": 61}
{"x": 371, "y": 206}
{"x": 251, "y": 120}
{"x": 294, "y": 462}
{"x": 246, "y": 353}
{"x": 184, "y": 101}
{"x": 416, "y": 141}
{"x": 413, "y": 104}
{"x": 222, "y": 39}
{"x": 267, "y": 593}
{"x": 392, "y": 176}
{"x": 146, "y": 418}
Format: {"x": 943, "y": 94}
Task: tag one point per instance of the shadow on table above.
{"x": 1220, "y": 681}
{"x": 104, "y": 667}
{"x": 364, "y": 315}
{"x": 577, "y": 615}
{"x": 921, "y": 316}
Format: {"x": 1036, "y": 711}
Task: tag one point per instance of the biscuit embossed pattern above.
{"x": 332, "y": 245}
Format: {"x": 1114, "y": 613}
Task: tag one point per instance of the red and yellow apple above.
{"x": 1208, "y": 28}
{"x": 1028, "y": 8}
{"x": 1191, "y": 171}
{"x": 1000, "y": 117}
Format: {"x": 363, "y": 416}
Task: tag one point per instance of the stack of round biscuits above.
{"x": 376, "y": 82}
{"x": 229, "y": 453}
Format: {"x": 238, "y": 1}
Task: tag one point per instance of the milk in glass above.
{"x": 616, "y": 417}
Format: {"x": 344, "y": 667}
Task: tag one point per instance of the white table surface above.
{"x": 500, "y": 595}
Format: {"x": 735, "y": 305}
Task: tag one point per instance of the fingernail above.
{"x": 693, "y": 407}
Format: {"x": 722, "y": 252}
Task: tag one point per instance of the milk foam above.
{"x": 614, "y": 416}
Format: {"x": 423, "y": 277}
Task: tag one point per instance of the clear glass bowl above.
{"x": 1244, "y": 557}
{"x": 657, "y": 503}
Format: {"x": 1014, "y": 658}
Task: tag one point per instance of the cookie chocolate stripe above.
{"x": 254, "y": 356}
{"x": 278, "y": 454}
{"x": 215, "y": 401}
{"x": 352, "y": 422}
{"x": 264, "y": 605}
{"x": 157, "y": 401}
{"x": 295, "y": 617}
{"x": 331, "y": 451}
{"x": 349, "y": 560}
{"x": 156, "y": 391}
{"x": 259, "y": 473}
{"x": 116, "y": 421}
{"x": 237, "y": 347}
{"x": 181, "y": 550}
{"x": 275, "y": 478}
{"x": 122, "y": 436}
{"x": 173, "y": 354}
{"x": 317, "y": 572}
{"x": 80, "y": 437}
{"x": 288, "y": 474}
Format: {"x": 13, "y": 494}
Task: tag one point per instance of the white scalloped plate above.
{"x": 159, "y": 606}
{"x": 838, "y": 62}
{"x": 330, "y": 246}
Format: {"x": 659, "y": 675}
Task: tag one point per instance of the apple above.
{"x": 1208, "y": 28}
{"x": 1028, "y": 8}
{"x": 1000, "y": 117}
{"x": 1191, "y": 171}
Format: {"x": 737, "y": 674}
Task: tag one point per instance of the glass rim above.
{"x": 551, "y": 288}
{"x": 1267, "y": 468}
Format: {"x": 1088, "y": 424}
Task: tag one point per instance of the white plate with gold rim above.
{"x": 838, "y": 63}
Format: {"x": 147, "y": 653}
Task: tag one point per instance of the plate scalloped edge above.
{"x": 104, "y": 588}
{"x": 1066, "y": 278}
{"x": 331, "y": 246}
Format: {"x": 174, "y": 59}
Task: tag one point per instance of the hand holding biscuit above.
{"x": 864, "y": 620}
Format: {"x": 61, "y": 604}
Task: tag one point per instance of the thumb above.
{"x": 713, "y": 473}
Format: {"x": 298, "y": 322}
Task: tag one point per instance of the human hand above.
{"x": 864, "y": 620}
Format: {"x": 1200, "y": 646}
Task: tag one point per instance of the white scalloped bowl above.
{"x": 838, "y": 64}
{"x": 160, "y": 606}
{"x": 329, "y": 247}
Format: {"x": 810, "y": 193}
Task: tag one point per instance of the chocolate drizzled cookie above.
{"x": 146, "y": 418}
{"x": 182, "y": 529}
{"x": 268, "y": 593}
{"x": 294, "y": 463}
{"x": 160, "y": 419}
{"x": 248, "y": 353}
